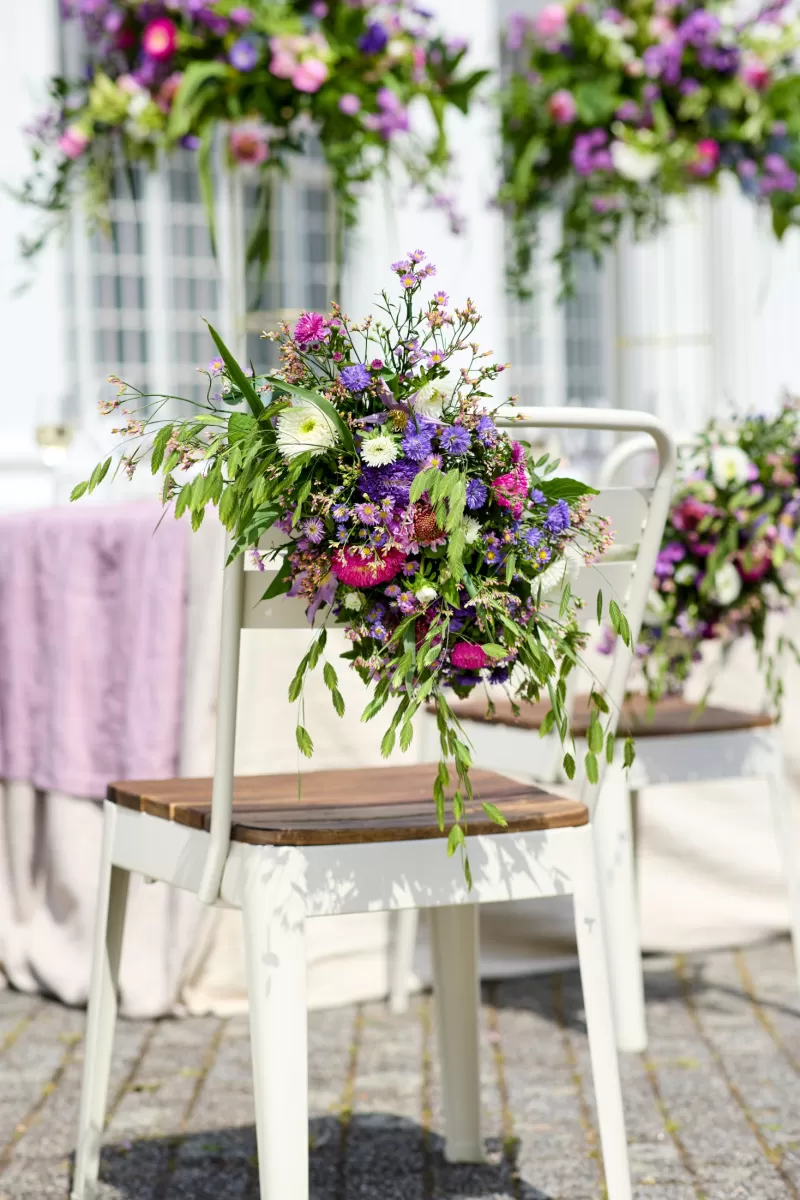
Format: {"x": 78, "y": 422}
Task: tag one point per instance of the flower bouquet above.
{"x": 404, "y": 514}
{"x": 608, "y": 111}
{"x": 731, "y": 551}
{"x": 276, "y": 73}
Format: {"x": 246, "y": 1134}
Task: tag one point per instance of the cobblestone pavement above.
{"x": 713, "y": 1108}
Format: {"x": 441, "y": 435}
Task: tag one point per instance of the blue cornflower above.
{"x": 486, "y": 430}
{"x": 455, "y": 439}
{"x": 374, "y": 39}
{"x": 356, "y": 378}
{"x": 476, "y": 493}
{"x": 499, "y": 675}
{"x": 533, "y": 537}
{"x": 537, "y": 496}
{"x": 558, "y": 517}
{"x": 417, "y": 443}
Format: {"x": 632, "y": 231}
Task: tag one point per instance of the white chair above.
{"x": 362, "y": 840}
{"x": 674, "y": 744}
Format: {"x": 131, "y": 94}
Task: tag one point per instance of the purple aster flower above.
{"x": 392, "y": 591}
{"x": 407, "y": 602}
{"x": 376, "y": 612}
{"x": 378, "y": 631}
{"x": 440, "y": 298}
{"x": 243, "y": 55}
{"x": 492, "y": 557}
{"x": 393, "y": 480}
{"x": 369, "y": 513}
{"x": 400, "y": 268}
{"x": 558, "y": 517}
{"x": 356, "y": 378}
{"x": 410, "y": 568}
{"x": 340, "y": 512}
{"x": 537, "y": 496}
{"x": 314, "y": 530}
{"x": 378, "y": 538}
{"x": 543, "y": 556}
{"x": 476, "y": 493}
{"x": 215, "y": 366}
{"x": 408, "y": 281}
{"x": 455, "y": 439}
{"x": 341, "y": 533}
{"x": 374, "y": 39}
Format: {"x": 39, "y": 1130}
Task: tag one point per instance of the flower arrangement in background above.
{"x": 277, "y": 73}
{"x": 405, "y": 514}
{"x": 610, "y": 110}
{"x": 731, "y": 551}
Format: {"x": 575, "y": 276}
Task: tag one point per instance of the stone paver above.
{"x": 713, "y": 1107}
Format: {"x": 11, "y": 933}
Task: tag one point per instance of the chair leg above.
{"x": 613, "y": 832}
{"x": 405, "y": 940}
{"x": 454, "y": 944}
{"x": 275, "y": 959}
{"x": 112, "y": 898}
{"x": 786, "y": 830}
{"x": 600, "y": 1024}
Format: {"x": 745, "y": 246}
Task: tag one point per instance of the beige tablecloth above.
{"x": 709, "y": 867}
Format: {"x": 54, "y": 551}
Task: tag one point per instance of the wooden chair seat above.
{"x": 670, "y": 717}
{"x": 382, "y": 804}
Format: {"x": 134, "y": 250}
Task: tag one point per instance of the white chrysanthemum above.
{"x": 426, "y": 594}
{"x": 685, "y": 573}
{"x": 656, "y": 611}
{"x": 354, "y": 601}
{"x": 632, "y": 163}
{"x": 303, "y": 428}
{"x": 431, "y": 398}
{"x": 729, "y": 466}
{"x": 379, "y": 450}
{"x": 472, "y": 530}
{"x": 563, "y": 571}
{"x": 727, "y": 584}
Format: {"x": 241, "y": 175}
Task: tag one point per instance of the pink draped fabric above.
{"x": 92, "y": 632}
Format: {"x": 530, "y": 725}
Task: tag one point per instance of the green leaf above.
{"x": 159, "y": 446}
{"x": 610, "y": 745}
{"x": 304, "y": 742}
{"x": 98, "y": 475}
{"x": 281, "y": 583}
{"x": 240, "y": 425}
{"x": 569, "y": 766}
{"x": 387, "y": 744}
{"x": 455, "y": 838}
{"x": 620, "y": 622}
{"x": 338, "y": 702}
{"x": 548, "y": 722}
{"x": 406, "y": 735}
{"x": 592, "y": 768}
{"x": 79, "y": 490}
{"x": 494, "y": 651}
{"x": 374, "y": 707}
{"x": 423, "y": 482}
{"x": 511, "y": 566}
{"x": 493, "y": 813}
{"x": 629, "y": 753}
{"x": 236, "y": 374}
{"x": 316, "y": 649}
{"x": 188, "y": 99}
{"x": 329, "y": 676}
{"x": 599, "y": 607}
{"x": 567, "y": 489}
{"x": 594, "y": 737}
{"x": 324, "y": 406}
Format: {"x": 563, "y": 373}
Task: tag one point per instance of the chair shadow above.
{"x": 375, "y": 1156}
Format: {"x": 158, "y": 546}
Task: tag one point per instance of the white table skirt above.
{"x": 709, "y": 872}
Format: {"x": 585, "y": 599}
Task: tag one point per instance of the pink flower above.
{"x": 240, "y": 16}
{"x": 283, "y": 64}
{"x": 310, "y": 75}
{"x": 168, "y": 90}
{"x": 706, "y": 158}
{"x": 159, "y": 39}
{"x": 689, "y": 513}
{"x": 509, "y": 489}
{"x": 310, "y": 327}
{"x": 754, "y": 73}
{"x": 468, "y": 657}
{"x": 349, "y": 104}
{"x": 249, "y": 144}
{"x": 562, "y": 107}
{"x": 363, "y": 568}
{"x": 551, "y": 21}
{"x": 73, "y": 142}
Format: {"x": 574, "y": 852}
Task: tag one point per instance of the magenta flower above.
{"x": 159, "y": 39}
{"x": 562, "y": 107}
{"x": 249, "y": 144}
{"x": 73, "y": 142}
{"x": 240, "y": 16}
{"x": 349, "y": 104}
{"x": 706, "y": 158}
{"x": 310, "y": 328}
{"x": 551, "y": 21}
{"x": 364, "y": 568}
{"x": 754, "y": 72}
{"x": 467, "y": 657}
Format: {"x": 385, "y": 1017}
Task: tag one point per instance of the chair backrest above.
{"x": 637, "y": 518}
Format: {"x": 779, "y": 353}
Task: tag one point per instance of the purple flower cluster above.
{"x": 356, "y": 378}
{"x": 590, "y": 152}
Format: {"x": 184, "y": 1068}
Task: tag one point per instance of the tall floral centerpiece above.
{"x": 274, "y": 73}
{"x": 731, "y": 551}
{"x": 609, "y": 110}
{"x": 405, "y": 514}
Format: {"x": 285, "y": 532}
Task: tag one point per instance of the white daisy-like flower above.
{"x": 304, "y": 428}
{"x": 472, "y": 530}
{"x": 632, "y": 163}
{"x": 379, "y": 450}
{"x": 729, "y": 466}
{"x": 563, "y": 571}
{"x": 354, "y": 601}
{"x": 685, "y": 573}
{"x": 431, "y": 398}
{"x": 426, "y": 594}
{"x": 727, "y": 584}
